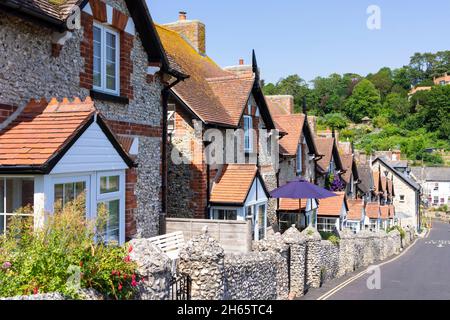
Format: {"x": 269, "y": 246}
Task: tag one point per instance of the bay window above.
{"x": 111, "y": 199}
{"x": 16, "y": 200}
{"x": 106, "y": 59}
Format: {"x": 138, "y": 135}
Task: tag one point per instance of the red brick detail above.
{"x": 98, "y": 10}
{"x": 130, "y": 203}
{"x": 6, "y": 111}
{"x": 129, "y": 128}
{"x": 126, "y": 65}
{"x": 87, "y": 51}
{"x": 56, "y": 50}
{"x": 119, "y": 20}
{"x": 199, "y": 188}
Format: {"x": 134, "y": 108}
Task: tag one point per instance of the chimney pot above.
{"x": 241, "y": 62}
{"x": 182, "y": 16}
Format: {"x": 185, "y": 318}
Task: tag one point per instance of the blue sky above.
{"x": 314, "y": 38}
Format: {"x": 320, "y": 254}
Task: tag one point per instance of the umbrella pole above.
{"x": 300, "y": 208}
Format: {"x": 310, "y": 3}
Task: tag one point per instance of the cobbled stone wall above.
{"x": 154, "y": 268}
{"x": 329, "y": 261}
{"x": 297, "y": 244}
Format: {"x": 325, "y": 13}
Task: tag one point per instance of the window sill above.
{"x": 109, "y": 97}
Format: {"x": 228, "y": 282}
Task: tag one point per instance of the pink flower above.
{"x": 6, "y": 265}
{"x": 120, "y": 287}
{"x": 127, "y": 259}
{"x": 130, "y": 248}
{"x": 36, "y": 290}
{"x": 134, "y": 283}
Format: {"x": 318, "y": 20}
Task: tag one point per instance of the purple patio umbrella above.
{"x": 301, "y": 189}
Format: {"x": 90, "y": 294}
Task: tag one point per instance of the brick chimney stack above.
{"x": 241, "y": 62}
{"x": 182, "y": 16}
{"x": 194, "y": 31}
{"x": 281, "y": 104}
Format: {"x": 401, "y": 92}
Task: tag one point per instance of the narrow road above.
{"x": 421, "y": 273}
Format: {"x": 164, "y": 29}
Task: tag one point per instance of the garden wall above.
{"x": 282, "y": 266}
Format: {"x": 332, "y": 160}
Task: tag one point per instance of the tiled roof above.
{"x": 366, "y": 178}
{"x": 383, "y": 184}
{"x": 279, "y": 106}
{"x": 384, "y": 212}
{"x": 332, "y": 206}
{"x": 291, "y": 205}
{"x": 391, "y": 211}
{"x": 376, "y": 181}
{"x": 57, "y": 9}
{"x": 408, "y": 180}
{"x": 347, "y": 163}
{"x": 390, "y": 186}
{"x": 431, "y": 173}
{"x": 355, "y": 209}
{"x": 41, "y": 130}
{"x": 213, "y": 94}
{"x": 325, "y": 148}
{"x": 293, "y": 126}
{"x": 234, "y": 184}
{"x": 372, "y": 210}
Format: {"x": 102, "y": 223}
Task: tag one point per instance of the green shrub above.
{"x": 68, "y": 253}
{"x": 330, "y": 236}
{"x": 399, "y": 229}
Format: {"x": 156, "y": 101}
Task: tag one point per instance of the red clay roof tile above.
{"x": 293, "y": 126}
{"x": 355, "y": 209}
{"x": 332, "y": 206}
{"x": 41, "y": 130}
{"x": 234, "y": 184}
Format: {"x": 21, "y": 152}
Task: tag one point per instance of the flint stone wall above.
{"x": 154, "y": 268}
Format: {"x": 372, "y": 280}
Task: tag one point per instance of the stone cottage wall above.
{"x": 32, "y": 69}
{"x": 329, "y": 267}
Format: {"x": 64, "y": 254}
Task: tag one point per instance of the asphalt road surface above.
{"x": 422, "y": 273}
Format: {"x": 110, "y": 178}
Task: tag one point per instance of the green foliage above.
{"x": 399, "y": 229}
{"x": 335, "y": 121}
{"x": 365, "y": 101}
{"x": 409, "y": 123}
{"x": 45, "y": 260}
{"x": 330, "y": 236}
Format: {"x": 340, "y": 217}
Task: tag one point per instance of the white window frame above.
{"x": 248, "y": 132}
{"x": 326, "y": 224}
{"x": 6, "y": 214}
{"x": 102, "y": 88}
{"x": 72, "y": 179}
{"x": 299, "y": 159}
{"x": 118, "y": 195}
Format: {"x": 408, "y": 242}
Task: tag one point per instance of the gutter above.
{"x": 33, "y": 15}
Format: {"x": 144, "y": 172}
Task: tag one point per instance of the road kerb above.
{"x": 359, "y": 275}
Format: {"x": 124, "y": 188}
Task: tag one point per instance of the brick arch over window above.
{"x": 119, "y": 22}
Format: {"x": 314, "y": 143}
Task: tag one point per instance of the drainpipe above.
{"x": 165, "y": 97}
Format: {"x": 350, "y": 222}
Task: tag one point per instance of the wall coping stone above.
{"x": 293, "y": 236}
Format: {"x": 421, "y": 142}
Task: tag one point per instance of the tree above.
{"x": 335, "y": 121}
{"x": 382, "y": 81}
{"x": 435, "y": 113}
{"x": 396, "y": 107}
{"x": 365, "y": 101}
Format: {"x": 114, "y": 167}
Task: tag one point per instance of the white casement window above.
{"x": 248, "y": 134}
{"x": 353, "y": 226}
{"x": 111, "y": 196}
{"x": 106, "y": 59}
{"x": 436, "y": 187}
{"x": 225, "y": 214}
{"x": 16, "y": 200}
{"x": 171, "y": 109}
{"x": 436, "y": 200}
{"x": 299, "y": 159}
{"x": 326, "y": 224}
{"x": 373, "y": 224}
